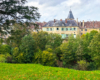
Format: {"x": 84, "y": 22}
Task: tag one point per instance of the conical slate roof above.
{"x": 70, "y": 15}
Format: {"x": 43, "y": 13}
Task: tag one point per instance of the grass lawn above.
{"x": 39, "y": 72}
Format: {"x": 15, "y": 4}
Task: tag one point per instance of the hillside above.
{"x": 39, "y": 72}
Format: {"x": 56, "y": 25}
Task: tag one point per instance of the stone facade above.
{"x": 63, "y": 27}
{"x": 70, "y": 26}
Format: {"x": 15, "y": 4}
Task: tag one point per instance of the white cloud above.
{"x": 71, "y": 2}
{"x": 59, "y": 9}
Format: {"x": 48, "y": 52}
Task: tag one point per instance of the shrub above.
{"x": 15, "y": 53}
{"x": 82, "y": 65}
{"x": 8, "y": 58}
{"x": 5, "y": 49}
{"x": 58, "y": 53}
{"x": 20, "y": 58}
{"x": 37, "y": 57}
{"x": 27, "y": 47}
{"x": 92, "y": 66}
{"x": 67, "y": 55}
{"x": 2, "y": 58}
{"x": 48, "y": 58}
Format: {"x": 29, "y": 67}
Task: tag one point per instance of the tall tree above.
{"x": 15, "y": 11}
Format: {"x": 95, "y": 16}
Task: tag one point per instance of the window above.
{"x": 50, "y": 29}
{"x": 44, "y": 29}
{"x": 74, "y": 35}
{"x": 85, "y": 29}
{"x": 62, "y": 29}
{"x": 66, "y": 29}
{"x": 57, "y": 28}
{"x": 81, "y": 33}
{"x": 62, "y": 24}
{"x": 63, "y": 36}
{"x": 74, "y": 28}
{"x": 70, "y": 28}
{"x": 47, "y": 29}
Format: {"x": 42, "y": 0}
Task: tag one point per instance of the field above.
{"x": 39, "y": 72}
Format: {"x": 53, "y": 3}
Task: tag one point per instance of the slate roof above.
{"x": 61, "y": 23}
{"x": 70, "y": 15}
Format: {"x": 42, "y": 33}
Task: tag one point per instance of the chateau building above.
{"x": 63, "y": 27}
{"x": 70, "y": 26}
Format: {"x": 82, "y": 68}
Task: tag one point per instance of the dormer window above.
{"x": 53, "y": 24}
{"x": 57, "y": 25}
{"x": 70, "y": 25}
{"x": 47, "y": 24}
{"x": 62, "y": 24}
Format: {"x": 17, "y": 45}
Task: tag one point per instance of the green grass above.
{"x": 39, "y": 72}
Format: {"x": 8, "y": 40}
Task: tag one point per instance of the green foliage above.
{"x": 27, "y": 47}
{"x": 15, "y": 11}
{"x": 67, "y": 56}
{"x": 8, "y": 58}
{"x": 92, "y": 66}
{"x": 82, "y": 65}
{"x": 18, "y": 32}
{"x": 2, "y": 58}
{"x": 40, "y": 39}
{"x": 21, "y": 58}
{"x": 95, "y": 49}
{"x": 58, "y": 53}
{"x": 43, "y": 40}
{"x": 4, "y": 49}
{"x": 48, "y": 58}
{"x": 79, "y": 52}
{"x": 68, "y": 50}
{"x": 54, "y": 40}
{"x": 15, "y": 53}
{"x": 37, "y": 57}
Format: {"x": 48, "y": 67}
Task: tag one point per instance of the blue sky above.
{"x": 88, "y": 10}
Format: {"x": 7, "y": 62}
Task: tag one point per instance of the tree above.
{"x": 17, "y": 34}
{"x": 15, "y": 11}
{"x": 27, "y": 47}
{"x": 4, "y": 49}
{"x": 95, "y": 49}
{"x": 41, "y": 39}
{"x": 86, "y": 42}
{"x": 54, "y": 40}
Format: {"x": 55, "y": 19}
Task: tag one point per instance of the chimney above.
{"x": 54, "y": 20}
{"x": 83, "y": 23}
{"x": 77, "y": 20}
{"x": 60, "y": 19}
{"x": 80, "y": 24}
{"x": 65, "y": 20}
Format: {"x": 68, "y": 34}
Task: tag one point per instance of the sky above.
{"x": 87, "y": 10}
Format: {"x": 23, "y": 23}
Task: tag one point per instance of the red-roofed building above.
{"x": 87, "y": 27}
